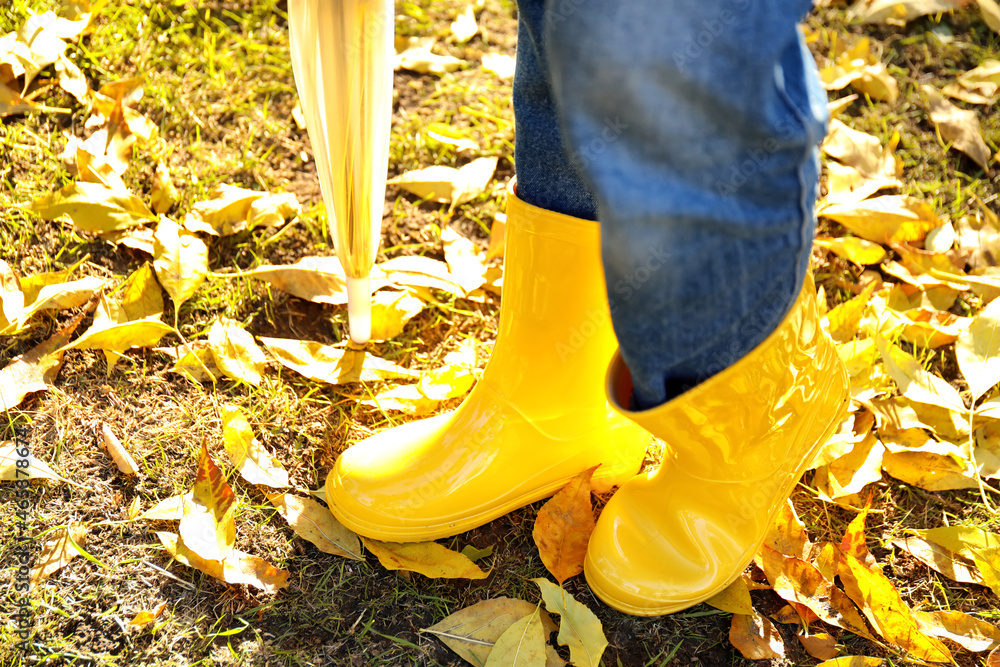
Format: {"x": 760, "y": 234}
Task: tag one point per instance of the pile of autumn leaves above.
{"x": 906, "y": 421}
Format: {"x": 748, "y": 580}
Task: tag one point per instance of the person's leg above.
{"x": 546, "y": 176}
{"x": 696, "y": 125}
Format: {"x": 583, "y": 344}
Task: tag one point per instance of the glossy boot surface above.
{"x": 537, "y": 417}
{"x": 740, "y": 441}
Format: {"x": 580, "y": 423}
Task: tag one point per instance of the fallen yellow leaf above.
{"x": 428, "y": 558}
{"x": 235, "y": 352}
{"x": 94, "y": 208}
{"x": 333, "y": 365}
{"x": 889, "y": 218}
{"x": 522, "y": 644}
{"x": 579, "y": 628}
{"x": 251, "y": 458}
{"x": 314, "y": 522}
{"x": 473, "y": 631}
{"x": 958, "y": 127}
{"x": 58, "y": 552}
{"x": 734, "y": 598}
{"x": 141, "y": 296}
{"x": 180, "y": 259}
{"x": 238, "y": 568}
{"x": 887, "y": 612}
{"x": 207, "y": 527}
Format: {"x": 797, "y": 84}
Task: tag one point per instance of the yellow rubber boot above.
{"x": 740, "y": 441}
{"x": 537, "y": 417}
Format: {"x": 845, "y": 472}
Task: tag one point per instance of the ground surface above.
{"x": 219, "y": 87}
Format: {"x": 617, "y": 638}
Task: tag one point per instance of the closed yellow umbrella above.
{"x": 342, "y": 59}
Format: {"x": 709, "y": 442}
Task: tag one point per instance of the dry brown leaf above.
{"x": 118, "y": 453}
{"x": 251, "y": 458}
{"x": 207, "y": 527}
{"x": 958, "y": 127}
{"x": 58, "y": 552}
{"x": 428, "y": 558}
{"x": 314, "y": 522}
{"x": 239, "y": 568}
{"x": 333, "y": 365}
{"x": 563, "y": 527}
{"x": 755, "y": 637}
{"x": 180, "y": 259}
{"x": 235, "y": 352}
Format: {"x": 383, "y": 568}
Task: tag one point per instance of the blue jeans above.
{"x": 690, "y": 130}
